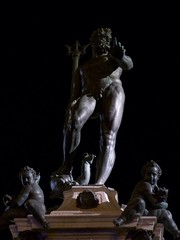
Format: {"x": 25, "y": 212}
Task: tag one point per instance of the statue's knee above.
{"x": 76, "y": 123}
{"x": 166, "y": 214}
{"x": 28, "y": 205}
{"x": 141, "y": 202}
{"x": 141, "y": 206}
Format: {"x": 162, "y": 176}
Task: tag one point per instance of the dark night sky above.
{"x": 35, "y": 86}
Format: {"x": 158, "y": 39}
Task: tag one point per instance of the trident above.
{"x": 76, "y": 51}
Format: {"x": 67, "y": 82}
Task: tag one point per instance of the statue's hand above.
{"x": 7, "y": 199}
{"x": 88, "y": 157}
{"x": 117, "y": 50}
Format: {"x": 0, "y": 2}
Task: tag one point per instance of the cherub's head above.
{"x": 28, "y": 175}
{"x": 100, "y": 40}
{"x": 151, "y": 172}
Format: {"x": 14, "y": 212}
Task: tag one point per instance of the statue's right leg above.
{"x": 80, "y": 112}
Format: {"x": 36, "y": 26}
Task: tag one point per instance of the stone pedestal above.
{"x": 72, "y": 223}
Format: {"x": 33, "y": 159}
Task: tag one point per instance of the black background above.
{"x": 35, "y": 87}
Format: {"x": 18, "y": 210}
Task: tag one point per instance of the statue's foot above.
{"x": 61, "y": 176}
{"x": 119, "y": 221}
{"x": 61, "y": 180}
{"x": 44, "y": 224}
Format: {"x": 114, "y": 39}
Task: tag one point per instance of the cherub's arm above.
{"x": 149, "y": 194}
{"x": 22, "y": 196}
{"x": 152, "y": 197}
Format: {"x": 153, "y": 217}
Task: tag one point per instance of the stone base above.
{"x": 72, "y": 223}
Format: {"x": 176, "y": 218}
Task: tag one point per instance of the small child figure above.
{"x": 29, "y": 201}
{"x": 147, "y": 199}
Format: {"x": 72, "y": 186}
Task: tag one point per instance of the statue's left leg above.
{"x": 111, "y": 111}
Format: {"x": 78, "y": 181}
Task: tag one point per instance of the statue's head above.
{"x": 28, "y": 175}
{"x": 101, "y": 40}
{"x": 151, "y": 165}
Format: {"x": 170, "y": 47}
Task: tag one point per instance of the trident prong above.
{"x": 76, "y": 51}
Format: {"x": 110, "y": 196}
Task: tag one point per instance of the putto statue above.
{"x": 148, "y": 199}
{"x": 96, "y": 91}
{"x": 29, "y": 201}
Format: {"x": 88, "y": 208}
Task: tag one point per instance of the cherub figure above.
{"x": 148, "y": 199}
{"x": 29, "y": 201}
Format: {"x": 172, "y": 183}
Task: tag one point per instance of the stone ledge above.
{"x": 72, "y": 223}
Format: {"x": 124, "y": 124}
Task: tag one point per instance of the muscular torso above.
{"x": 36, "y": 193}
{"x": 98, "y": 73}
{"x": 144, "y": 190}
{"x": 31, "y": 191}
{"x": 141, "y": 189}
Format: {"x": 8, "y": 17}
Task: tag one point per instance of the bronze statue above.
{"x": 148, "y": 199}
{"x": 61, "y": 183}
{"x": 96, "y": 91}
{"x": 29, "y": 201}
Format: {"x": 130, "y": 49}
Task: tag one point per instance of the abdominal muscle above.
{"x": 95, "y": 86}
